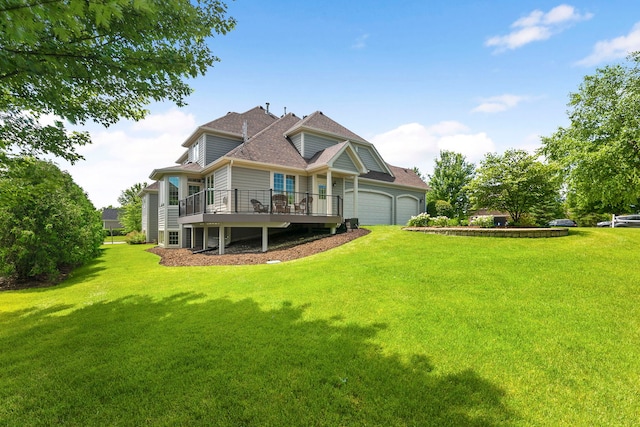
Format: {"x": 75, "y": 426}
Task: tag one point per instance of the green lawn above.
{"x": 393, "y": 329}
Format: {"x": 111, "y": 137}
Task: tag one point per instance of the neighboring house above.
{"x": 110, "y": 219}
{"x": 246, "y": 175}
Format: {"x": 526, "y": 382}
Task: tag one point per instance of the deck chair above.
{"x": 280, "y": 203}
{"x": 302, "y": 206}
{"x": 258, "y": 206}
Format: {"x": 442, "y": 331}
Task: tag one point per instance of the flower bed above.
{"x": 493, "y": 232}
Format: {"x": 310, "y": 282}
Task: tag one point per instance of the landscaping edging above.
{"x": 493, "y": 232}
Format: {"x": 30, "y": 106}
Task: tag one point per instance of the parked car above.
{"x": 562, "y": 223}
{"x": 622, "y": 221}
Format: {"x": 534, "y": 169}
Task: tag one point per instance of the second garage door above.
{"x": 373, "y": 208}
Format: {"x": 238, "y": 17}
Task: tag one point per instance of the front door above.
{"x": 322, "y": 196}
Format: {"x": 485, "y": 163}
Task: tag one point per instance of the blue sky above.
{"x": 412, "y": 77}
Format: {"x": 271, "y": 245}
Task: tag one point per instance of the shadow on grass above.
{"x": 185, "y": 360}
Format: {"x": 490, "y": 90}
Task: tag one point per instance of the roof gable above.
{"x": 318, "y": 122}
{"x": 271, "y": 146}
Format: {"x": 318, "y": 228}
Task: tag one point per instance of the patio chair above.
{"x": 258, "y": 206}
{"x": 280, "y": 203}
{"x": 302, "y": 206}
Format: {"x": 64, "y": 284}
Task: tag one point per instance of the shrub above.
{"x": 464, "y": 222}
{"x": 441, "y": 221}
{"x": 47, "y": 223}
{"x": 135, "y": 238}
{"x": 444, "y": 208}
{"x": 484, "y": 221}
{"x": 420, "y": 220}
{"x": 454, "y": 222}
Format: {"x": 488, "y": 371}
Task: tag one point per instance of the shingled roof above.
{"x": 401, "y": 176}
{"x": 271, "y": 146}
{"x": 257, "y": 119}
{"x": 319, "y": 122}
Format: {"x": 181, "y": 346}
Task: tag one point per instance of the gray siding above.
{"x": 314, "y": 143}
{"x": 161, "y": 219}
{"x": 369, "y": 159}
{"x": 344, "y": 162}
{"x": 172, "y": 218}
{"x": 296, "y": 140}
{"x": 250, "y": 179}
{"x": 252, "y": 184}
{"x": 217, "y": 147}
{"x": 150, "y": 217}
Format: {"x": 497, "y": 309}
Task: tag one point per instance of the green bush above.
{"x": 484, "y": 221}
{"x": 47, "y": 223}
{"x": 420, "y": 220}
{"x": 464, "y": 222}
{"x": 444, "y": 208}
{"x": 135, "y": 238}
{"x": 453, "y": 222}
{"x": 441, "y": 221}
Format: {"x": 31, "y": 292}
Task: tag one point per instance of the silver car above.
{"x": 622, "y": 221}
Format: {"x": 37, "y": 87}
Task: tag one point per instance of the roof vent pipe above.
{"x": 267, "y": 112}
{"x": 285, "y": 111}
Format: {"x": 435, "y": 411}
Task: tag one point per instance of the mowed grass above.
{"x": 393, "y": 329}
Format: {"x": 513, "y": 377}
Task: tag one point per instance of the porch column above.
{"x": 221, "y": 240}
{"x": 265, "y": 239}
{"x": 355, "y": 197}
{"x": 205, "y": 237}
{"x": 314, "y": 187}
{"x": 193, "y": 237}
{"x": 329, "y": 193}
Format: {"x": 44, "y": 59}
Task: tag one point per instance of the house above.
{"x": 246, "y": 175}
{"x": 110, "y": 219}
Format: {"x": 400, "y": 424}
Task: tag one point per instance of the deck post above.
{"x": 265, "y": 239}
{"x": 221, "y": 240}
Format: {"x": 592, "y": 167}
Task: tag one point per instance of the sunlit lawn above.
{"x": 395, "y": 328}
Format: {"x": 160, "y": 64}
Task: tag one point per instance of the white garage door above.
{"x": 373, "y": 208}
{"x": 407, "y": 207}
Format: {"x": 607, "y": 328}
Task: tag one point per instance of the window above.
{"x": 174, "y": 182}
{"x": 193, "y": 189}
{"x": 195, "y": 152}
{"x": 208, "y": 185}
{"x": 173, "y": 237}
{"x": 284, "y": 184}
{"x": 322, "y": 190}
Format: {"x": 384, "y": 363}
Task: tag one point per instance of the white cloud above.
{"x": 414, "y": 144}
{"x": 537, "y": 26}
{"x": 497, "y": 104}
{"x": 126, "y": 154}
{"x": 616, "y": 48}
{"x": 361, "y": 42}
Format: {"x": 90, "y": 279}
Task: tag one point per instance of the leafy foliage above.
{"x": 131, "y": 213}
{"x": 135, "y": 238}
{"x": 420, "y": 220}
{"x": 599, "y": 152}
{"x": 514, "y": 182}
{"x": 484, "y": 221}
{"x": 47, "y": 223}
{"x": 101, "y": 61}
{"x": 451, "y": 174}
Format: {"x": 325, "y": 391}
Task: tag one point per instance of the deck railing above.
{"x": 260, "y": 202}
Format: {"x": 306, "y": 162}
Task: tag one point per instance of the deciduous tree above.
{"x": 131, "y": 202}
{"x": 101, "y": 61}
{"x": 599, "y": 152}
{"x": 451, "y": 174}
{"x": 515, "y": 182}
